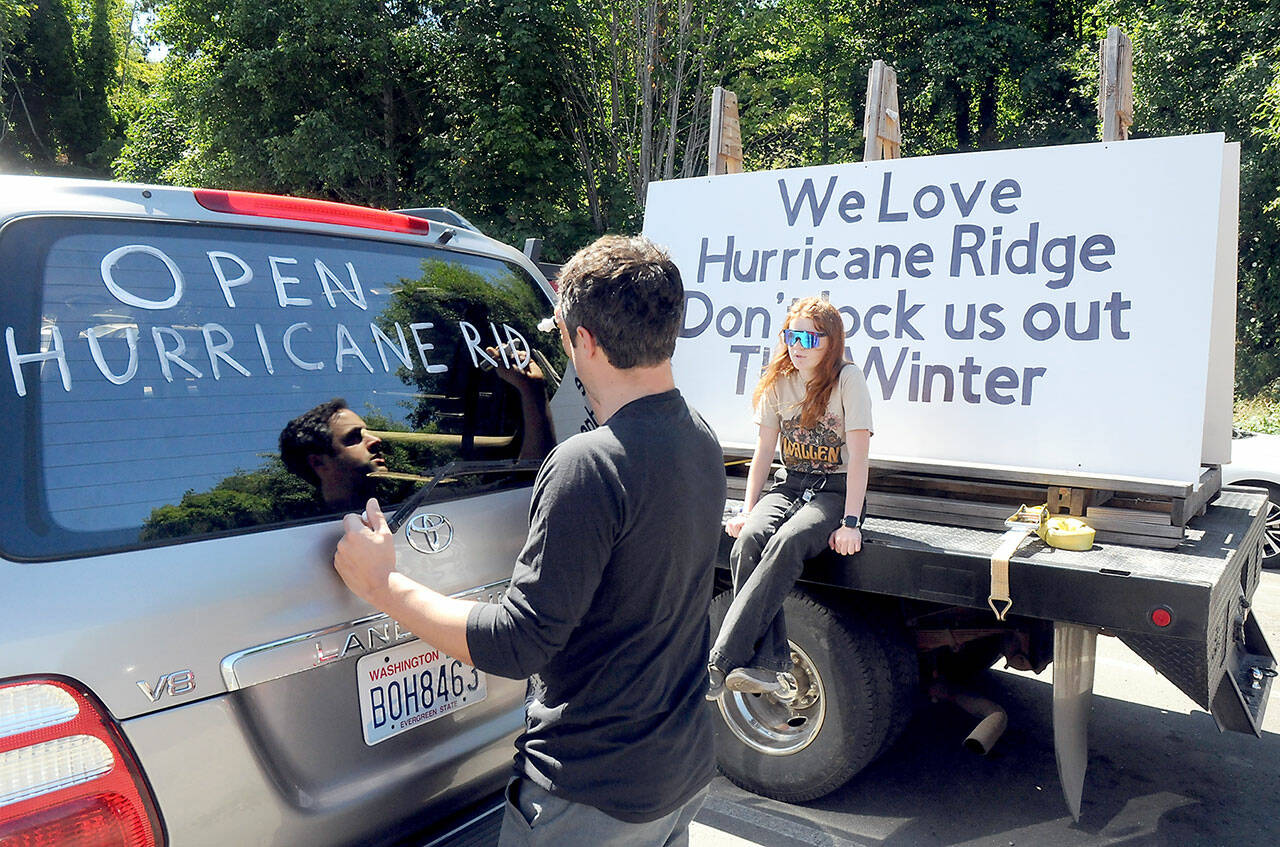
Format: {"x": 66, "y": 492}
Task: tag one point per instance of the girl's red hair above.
{"x": 818, "y": 389}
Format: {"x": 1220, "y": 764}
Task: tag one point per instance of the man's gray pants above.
{"x": 534, "y": 817}
{"x": 765, "y": 563}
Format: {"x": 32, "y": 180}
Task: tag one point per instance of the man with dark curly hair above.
{"x": 607, "y": 607}
{"x": 330, "y": 448}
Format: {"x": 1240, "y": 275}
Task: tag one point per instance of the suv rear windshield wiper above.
{"x": 456, "y": 469}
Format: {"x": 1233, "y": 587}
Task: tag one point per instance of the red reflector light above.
{"x": 1161, "y": 617}
{"x": 107, "y": 820}
{"x": 305, "y": 209}
{"x": 67, "y": 775}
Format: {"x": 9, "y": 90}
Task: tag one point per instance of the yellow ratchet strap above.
{"x": 1021, "y": 524}
{"x": 1066, "y": 533}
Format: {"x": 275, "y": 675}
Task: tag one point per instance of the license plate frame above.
{"x": 412, "y": 684}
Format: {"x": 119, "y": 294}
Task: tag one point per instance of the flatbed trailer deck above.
{"x": 924, "y": 587}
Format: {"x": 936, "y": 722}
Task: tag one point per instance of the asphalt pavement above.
{"x": 1160, "y": 773}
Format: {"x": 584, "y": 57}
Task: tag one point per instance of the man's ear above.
{"x": 585, "y": 341}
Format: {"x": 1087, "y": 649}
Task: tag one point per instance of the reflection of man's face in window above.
{"x": 344, "y": 475}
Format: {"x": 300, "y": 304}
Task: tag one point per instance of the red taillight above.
{"x": 304, "y": 209}
{"x": 67, "y": 776}
{"x": 1161, "y": 617}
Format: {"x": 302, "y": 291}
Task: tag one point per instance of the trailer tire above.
{"x": 904, "y": 666}
{"x": 839, "y": 723}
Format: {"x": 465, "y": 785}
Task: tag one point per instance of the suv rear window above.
{"x": 154, "y": 365}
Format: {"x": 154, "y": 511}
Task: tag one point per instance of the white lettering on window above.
{"x": 52, "y": 350}
{"x": 113, "y": 258}
{"x": 355, "y": 295}
{"x": 93, "y": 336}
{"x": 246, "y": 273}
{"x": 472, "y": 336}
{"x": 347, "y": 347}
{"x": 262, "y": 345}
{"x": 219, "y": 351}
{"x": 281, "y": 281}
{"x": 497, "y": 342}
{"x": 175, "y": 355}
{"x": 424, "y": 346}
{"x": 519, "y": 352}
{"x": 288, "y": 348}
{"x": 381, "y": 341}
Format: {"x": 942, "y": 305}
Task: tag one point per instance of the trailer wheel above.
{"x": 838, "y": 723}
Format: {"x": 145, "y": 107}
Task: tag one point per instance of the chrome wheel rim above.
{"x": 773, "y": 727}
{"x": 1271, "y": 538}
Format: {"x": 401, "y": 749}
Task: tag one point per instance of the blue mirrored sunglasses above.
{"x": 806, "y": 339}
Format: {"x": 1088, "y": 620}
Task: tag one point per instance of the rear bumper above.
{"x": 212, "y": 789}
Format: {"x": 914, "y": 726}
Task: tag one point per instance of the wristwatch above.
{"x": 850, "y": 521}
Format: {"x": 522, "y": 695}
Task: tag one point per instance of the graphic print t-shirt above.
{"x": 820, "y": 448}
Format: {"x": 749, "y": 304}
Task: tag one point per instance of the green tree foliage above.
{"x": 971, "y": 75}
{"x": 637, "y": 77}
{"x": 247, "y": 498}
{"x": 14, "y": 15}
{"x": 1208, "y": 67}
{"x": 387, "y": 104}
{"x": 545, "y": 118}
{"x": 98, "y": 64}
{"x": 803, "y": 87}
{"x": 65, "y": 83}
{"x": 41, "y": 69}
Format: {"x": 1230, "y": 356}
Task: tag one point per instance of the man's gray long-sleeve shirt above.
{"x": 607, "y": 612}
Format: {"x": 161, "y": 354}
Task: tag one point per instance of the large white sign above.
{"x": 1048, "y": 308}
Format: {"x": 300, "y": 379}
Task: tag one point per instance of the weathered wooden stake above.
{"x": 1115, "y": 88}
{"x": 724, "y": 147}
{"x": 880, "y": 123}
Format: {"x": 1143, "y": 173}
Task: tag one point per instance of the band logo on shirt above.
{"x": 793, "y": 453}
{"x": 811, "y": 449}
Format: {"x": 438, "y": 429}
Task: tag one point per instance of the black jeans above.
{"x": 781, "y": 532}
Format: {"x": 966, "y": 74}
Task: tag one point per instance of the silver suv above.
{"x": 180, "y": 663}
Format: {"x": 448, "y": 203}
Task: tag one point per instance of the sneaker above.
{"x": 755, "y": 681}
{"x": 715, "y": 683}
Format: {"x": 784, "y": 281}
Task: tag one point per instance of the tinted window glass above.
{"x": 154, "y": 367}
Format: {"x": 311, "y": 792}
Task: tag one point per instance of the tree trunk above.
{"x": 647, "y": 57}
{"x": 961, "y": 96}
{"x": 389, "y": 141}
{"x": 987, "y": 114}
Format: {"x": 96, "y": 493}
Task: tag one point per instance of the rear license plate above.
{"x": 412, "y": 684}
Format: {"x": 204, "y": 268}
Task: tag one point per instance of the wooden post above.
{"x": 724, "y": 146}
{"x": 1115, "y": 85}
{"x": 880, "y": 123}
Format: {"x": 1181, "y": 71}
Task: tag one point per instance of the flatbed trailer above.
{"x": 909, "y": 615}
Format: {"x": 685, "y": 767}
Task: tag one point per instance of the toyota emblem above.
{"x": 428, "y": 532}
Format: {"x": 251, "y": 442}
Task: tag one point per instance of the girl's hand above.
{"x": 733, "y": 526}
{"x": 845, "y": 541}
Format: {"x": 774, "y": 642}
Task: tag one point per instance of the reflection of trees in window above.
{"x": 269, "y": 495}
{"x": 246, "y": 498}
{"x": 464, "y": 400}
